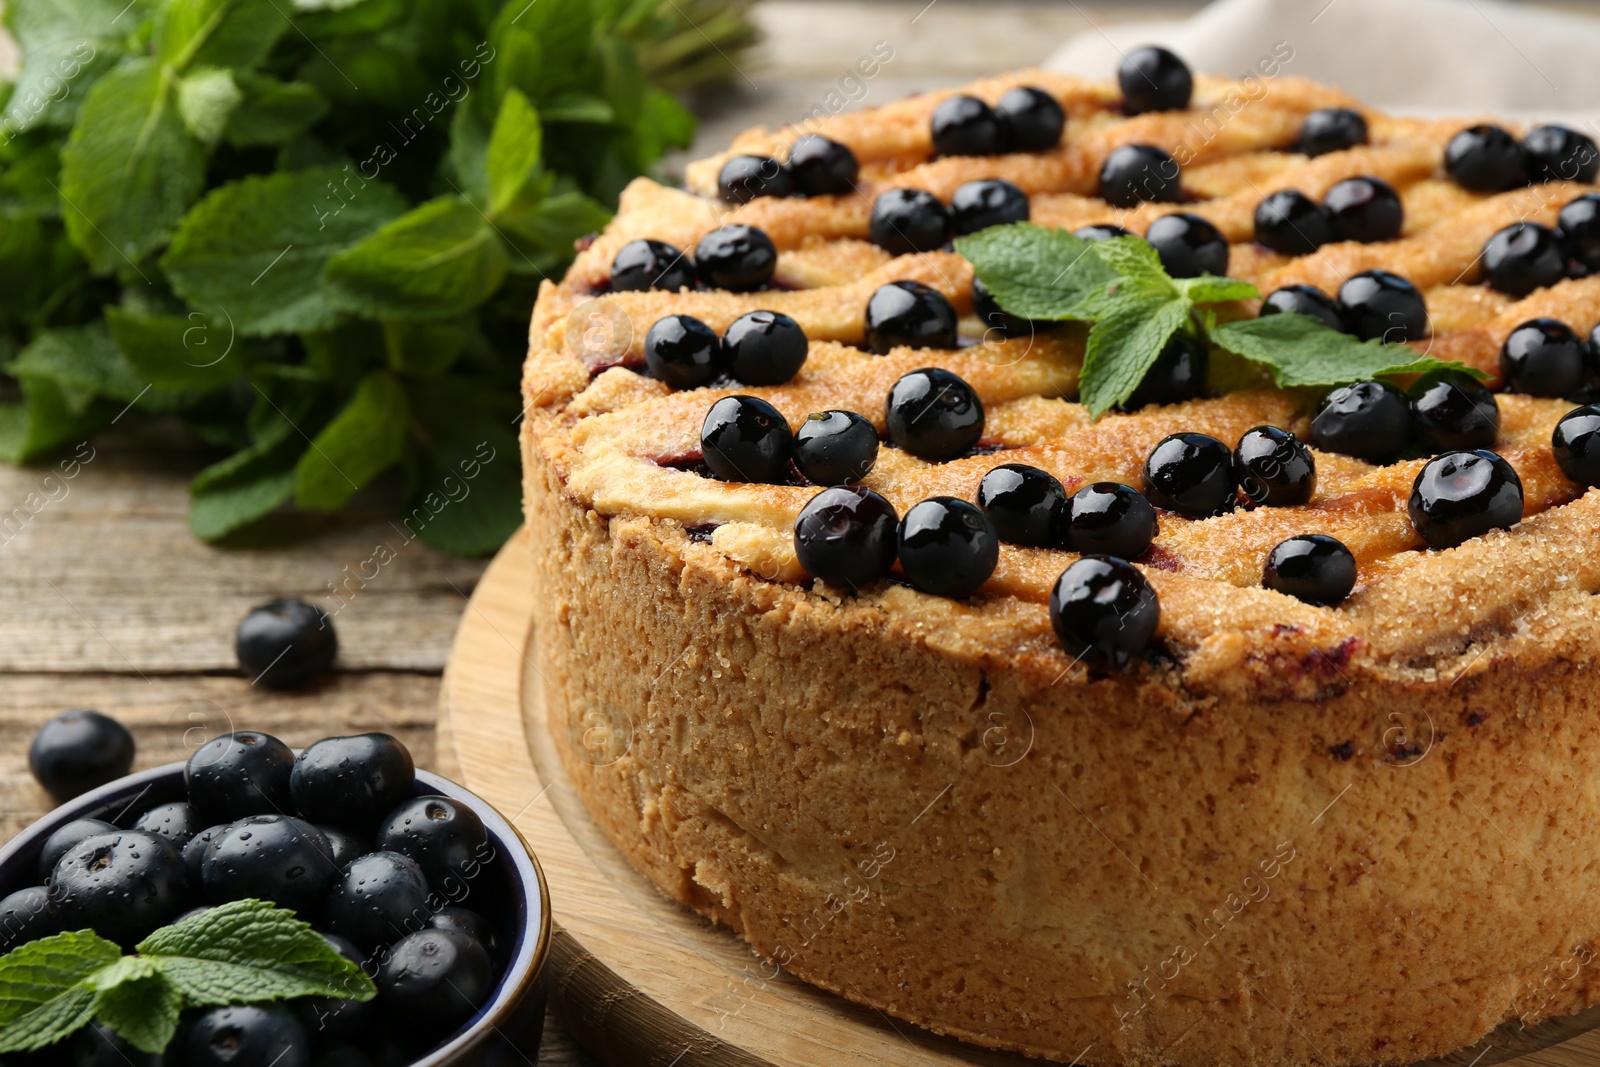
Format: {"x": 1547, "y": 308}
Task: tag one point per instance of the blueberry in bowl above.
{"x": 119, "y": 869}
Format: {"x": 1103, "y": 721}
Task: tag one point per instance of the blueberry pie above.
{"x": 1239, "y": 726}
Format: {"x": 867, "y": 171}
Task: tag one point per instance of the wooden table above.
{"x": 110, "y": 603}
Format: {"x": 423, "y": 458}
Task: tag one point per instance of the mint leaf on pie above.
{"x": 1299, "y": 350}
{"x": 130, "y": 169}
{"x": 249, "y": 950}
{"x": 1210, "y": 289}
{"x": 253, "y": 252}
{"x": 442, "y": 258}
{"x": 1036, "y": 272}
{"x": 43, "y": 997}
{"x": 1123, "y": 345}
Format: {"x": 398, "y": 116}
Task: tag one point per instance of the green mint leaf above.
{"x": 43, "y": 995}
{"x": 1300, "y": 350}
{"x": 1138, "y": 266}
{"x": 130, "y": 169}
{"x": 547, "y": 46}
{"x": 257, "y": 480}
{"x": 64, "y": 43}
{"x": 468, "y": 499}
{"x": 555, "y": 222}
{"x": 469, "y": 151}
{"x": 364, "y": 440}
{"x": 135, "y": 999}
{"x": 246, "y": 486}
{"x": 663, "y": 123}
{"x": 218, "y": 33}
{"x": 46, "y": 419}
{"x": 1036, "y": 272}
{"x": 322, "y": 19}
{"x": 190, "y": 354}
{"x": 271, "y": 112}
{"x": 80, "y": 358}
{"x": 254, "y": 250}
{"x": 441, "y": 259}
{"x": 1123, "y": 345}
{"x": 206, "y": 99}
{"x": 578, "y": 107}
{"x": 142, "y": 1008}
{"x": 426, "y": 349}
{"x": 1210, "y": 289}
{"x": 248, "y": 951}
{"x": 513, "y": 151}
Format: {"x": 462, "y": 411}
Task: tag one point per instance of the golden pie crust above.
{"x": 1292, "y": 834}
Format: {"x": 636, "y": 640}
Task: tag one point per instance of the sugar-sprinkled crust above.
{"x": 783, "y": 734}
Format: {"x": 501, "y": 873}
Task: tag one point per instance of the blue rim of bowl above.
{"x": 525, "y": 963}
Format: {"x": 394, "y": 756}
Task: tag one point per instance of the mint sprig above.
{"x": 242, "y": 952}
{"x": 234, "y": 213}
{"x": 1135, "y": 308}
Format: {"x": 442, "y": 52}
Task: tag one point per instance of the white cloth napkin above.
{"x": 1415, "y": 57}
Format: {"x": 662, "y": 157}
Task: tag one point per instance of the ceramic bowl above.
{"x": 510, "y": 891}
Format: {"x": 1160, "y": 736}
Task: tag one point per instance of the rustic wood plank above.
{"x": 102, "y": 574}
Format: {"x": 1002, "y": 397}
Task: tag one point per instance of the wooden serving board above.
{"x": 643, "y": 982}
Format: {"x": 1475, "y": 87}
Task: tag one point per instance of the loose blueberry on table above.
{"x": 79, "y": 750}
{"x": 845, "y": 535}
{"x": 285, "y": 644}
